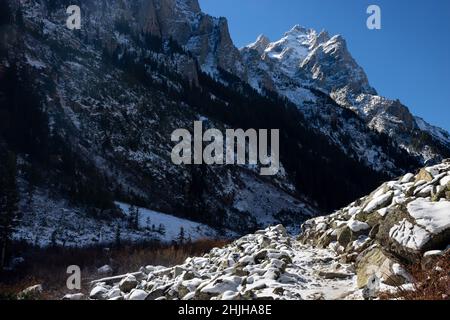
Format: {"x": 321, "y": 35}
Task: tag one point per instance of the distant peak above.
{"x": 297, "y": 29}
{"x": 324, "y": 35}
{"x": 260, "y": 44}
{"x": 262, "y": 38}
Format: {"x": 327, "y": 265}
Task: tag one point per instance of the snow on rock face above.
{"x": 409, "y": 235}
{"x": 433, "y": 216}
{"x": 403, "y": 218}
{"x": 378, "y": 202}
{"x": 357, "y": 226}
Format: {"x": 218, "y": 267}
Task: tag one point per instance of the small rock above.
{"x": 260, "y": 256}
{"x": 128, "y": 283}
{"x": 138, "y": 294}
{"x": 114, "y": 293}
{"x": 344, "y": 236}
{"x": 177, "y": 271}
{"x": 430, "y": 258}
{"x": 32, "y": 292}
{"x": 424, "y": 175}
{"x": 74, "y": 297}
{"x": 98, "y": 293}
{"x": 106, "y": 270}
{"x": 155, "y": 294}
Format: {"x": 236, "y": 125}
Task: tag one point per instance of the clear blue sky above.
{"x": 408, "y": 59}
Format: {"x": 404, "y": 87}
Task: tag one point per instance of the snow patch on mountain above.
{"x": 150, "y": 219}
{"x": 53, "y": 221}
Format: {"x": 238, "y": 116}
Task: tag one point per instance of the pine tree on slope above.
{"x": 9, "y": 199}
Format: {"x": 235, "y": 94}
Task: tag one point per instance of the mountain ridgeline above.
{"x": 89, "y": 114}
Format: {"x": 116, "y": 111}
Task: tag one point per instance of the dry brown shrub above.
{"x": 432, "y": 283}
{"x": 48, "y": 266}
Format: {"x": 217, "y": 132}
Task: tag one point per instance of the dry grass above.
{"x": 130, "y": 258}
{"x": 48, "y": 266}
{"x": 430, "y": 284}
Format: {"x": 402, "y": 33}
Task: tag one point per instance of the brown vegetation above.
{"x": 48, "y": 266}
{"x": 430, "y": 283}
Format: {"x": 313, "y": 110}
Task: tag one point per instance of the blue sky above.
{"x": 408, "y": 59}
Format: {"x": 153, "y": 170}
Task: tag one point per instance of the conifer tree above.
{"x": 9, "y": 203}
{"x": 181, "y": 236}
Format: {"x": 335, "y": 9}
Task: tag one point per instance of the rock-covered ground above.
{"x": 397, "y": 224}
{"x": 267, "y": 265}
{"x": 372, "y": 240}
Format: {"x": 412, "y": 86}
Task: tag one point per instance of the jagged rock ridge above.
{"x": 305, "y": 59}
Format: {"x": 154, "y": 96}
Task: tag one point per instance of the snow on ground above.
{"x": 55, "y": 221}
{"x": 172, "y": 225}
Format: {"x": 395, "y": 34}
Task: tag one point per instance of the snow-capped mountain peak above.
{"x": 295, "y": 43}
{"x": 260, "y": 45}
{"x": 304, "y": 60}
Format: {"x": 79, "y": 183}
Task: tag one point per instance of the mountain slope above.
{"x": 90, "y": 114}
{"x": 100, "y": 106}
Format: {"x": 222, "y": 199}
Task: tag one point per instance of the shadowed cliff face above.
{"x": 208, "y": 38}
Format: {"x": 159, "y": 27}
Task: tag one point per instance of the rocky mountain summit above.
{"x": 305, "y": 61}
{"x": 207, "y": 37}
{"x": 376, "y": 238}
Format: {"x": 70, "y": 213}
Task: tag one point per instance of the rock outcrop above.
{"x": 397, "y": 224}
{"x": 207, "y": 37}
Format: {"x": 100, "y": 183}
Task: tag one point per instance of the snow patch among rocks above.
{"x": 409, "y": 235}
{"x": 433, "y": 216}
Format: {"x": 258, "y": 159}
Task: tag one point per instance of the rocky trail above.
{"x": 364, "y": 247}
{"x": 267, "y": 265}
